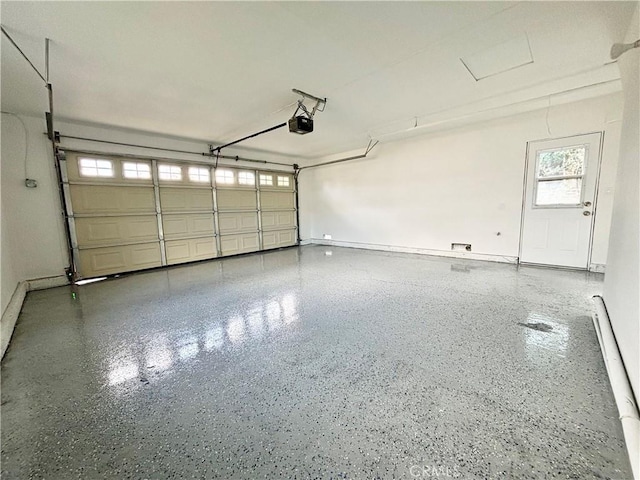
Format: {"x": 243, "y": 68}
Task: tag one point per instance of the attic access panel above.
{"x": 499, "y": 58}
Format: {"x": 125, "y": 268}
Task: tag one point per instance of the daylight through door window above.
{"x": 559, "y": 176}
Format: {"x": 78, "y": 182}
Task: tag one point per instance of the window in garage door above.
{"x": 130, "y": 214}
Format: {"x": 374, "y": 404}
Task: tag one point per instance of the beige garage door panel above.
{"x": 238, "y": 222}
{"x": 115, "y": 221}
{"x": 181, "y": 251}
{"x": 182, "y": 225}
{"x": 276, "y": 200}
{"x": 278, "y": 220}
{"x": 107, "y": 260}
{"x": 103, "y": 231}
{"x": 241, "y": 243}
{"x": 278, "y": 238}
{"x": 185, "y": 199}
{"x": 93, "y": 199}
{"x": 237, "y": 199}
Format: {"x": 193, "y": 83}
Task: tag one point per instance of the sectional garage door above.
{"x": 129, "y": 214}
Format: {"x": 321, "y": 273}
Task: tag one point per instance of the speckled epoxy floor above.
{"x": 300, "y": 364}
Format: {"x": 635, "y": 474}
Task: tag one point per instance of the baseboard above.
{"x": 305, "y": 242}
{"x": 48, "y": 282}
{"x": 597, "y": 268}
{"x": 12, "y": 312}
{"x": 421, "y": 251}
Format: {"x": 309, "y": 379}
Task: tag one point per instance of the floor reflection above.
{"x": 289, "y": 311}
{"x": 159, "y": 356}
{"x": 235, "y": 329}
{"x": 258, "y": 321}
{"x": 122, "y": 371}
{"x": 189, "y": 349}
{"x": 255, "y": 322}
{"x": 214, "y": 339}
{"x": 544, "y": 334}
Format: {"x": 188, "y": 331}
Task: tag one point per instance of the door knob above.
{"x": 586, "y": 213}
{"x": 587, "y": 204}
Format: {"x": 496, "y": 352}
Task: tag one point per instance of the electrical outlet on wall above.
{"x": 326, "y": 236}
{"x": 461, "y": 247}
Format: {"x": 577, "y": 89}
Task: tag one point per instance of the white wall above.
{"x": 33, "y": 241}
{"x": 621, "y": 283}
{"x": 9, "y": 277}
{"x": 462, "y": 185}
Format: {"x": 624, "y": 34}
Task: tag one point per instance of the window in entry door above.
{"x": 559, "y": 176}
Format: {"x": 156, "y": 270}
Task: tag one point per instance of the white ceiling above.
{"x": 217, "y": 71}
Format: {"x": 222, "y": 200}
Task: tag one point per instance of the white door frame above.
{"x": 595, "y": 198}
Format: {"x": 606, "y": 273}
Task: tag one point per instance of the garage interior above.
{"x": 320, "y": 239}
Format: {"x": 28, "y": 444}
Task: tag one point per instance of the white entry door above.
{"x": 559, "y": 201}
